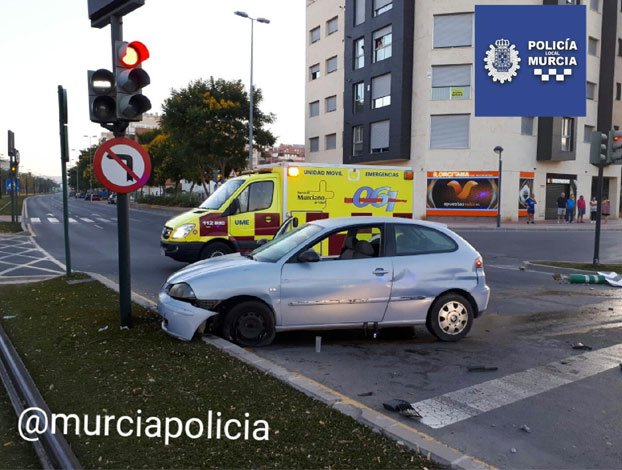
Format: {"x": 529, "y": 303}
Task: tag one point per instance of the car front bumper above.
{"x": 181, "y": 319}
{"x": 182, "y": 251}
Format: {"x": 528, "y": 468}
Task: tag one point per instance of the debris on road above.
{"x": 582, "y": 346}
{"x": 318, "y": 344}
{"x": 366, "y": 394}
{"x": 481, "y": 369}
{"x": 402, "y": 407}
{"x": 8, "y": 317}
{"x": 525, "y": 428}
{"x": 102, "y": 329}
{"x": 513, "y": 450}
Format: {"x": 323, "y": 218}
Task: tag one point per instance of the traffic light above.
{"x": 599, "y": 149}
{"x": 102, "y": 96}
{"x": 615, "y": 146}
{"x": 130, "y": 79}
{"x": 13, "y": 170}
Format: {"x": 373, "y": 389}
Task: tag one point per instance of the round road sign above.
{"x": 122, "y": 165}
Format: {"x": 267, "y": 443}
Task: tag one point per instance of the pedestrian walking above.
{"x": 561, "y": 207}
{"x": 593, "y": 209}
{"x": 570, "y": 205}
{"x": 580, "y": 209}
{"x": 606, "y": 209}
{"x": 531, "y": 208}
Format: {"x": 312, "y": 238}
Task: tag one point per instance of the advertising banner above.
{"x": 530, "y": 60}
{"x": 525, "y": 188}
{"x": 462, "y": 193}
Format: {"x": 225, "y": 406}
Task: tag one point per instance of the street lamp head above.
{"x": 263, "y": 20}
{"x": 498, "y": 149}
{"x": 243, "y": 14}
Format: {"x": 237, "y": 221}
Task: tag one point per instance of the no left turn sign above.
{"x": 122, "y": 165}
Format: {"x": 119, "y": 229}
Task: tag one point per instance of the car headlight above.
{"x": 183, "y": 230}
{"x": 181, "y": 291}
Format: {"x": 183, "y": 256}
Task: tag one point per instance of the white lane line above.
{"x": 35, "y": 220}
{"x": 102, "y": 219}
{"x": 52, "y": 220}
{"x": 90, "y": 221}
{"x": 459, "y": 405}
{"x": 72, "y": 220}
{"x": 101, "y": 228}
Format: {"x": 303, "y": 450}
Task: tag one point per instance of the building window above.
{"x": 587, "y": 133}
{"x": 314, "y": 35}
{"x": 594, "y": 5}
{"x": 453, "y": 30}
{"x": 379, "y": 136}
{"x": 619, "y": 47}
{"x": 567, "y": 134}
{"x": 451, "y": 82}
{"x": 618, "y": 91}
{"x": 359, "y": 53}
{"x": 314, "y": 70}
{"x": 383, "y": 39}
{"x": 330, "y": 141}
{"x": 359, "y": 12}
{"x": 359, "y": 97}
{"x": 331, "y": 64}
{"x": 381, "y": 91}
{"x": 331, "y": 104}
{"x": 450, "y": 131}
{"x": 590, "y": 92}
{"x": 382, "y": 6}
{"x": 314, "y": 108}
{"x": 357, "y": 140}
{"x": 526, "y": 125}
{"x": 592, "y": 46}
{"x": 314, "y": 144}
{"x": 573, "y": 2}
{"x": 332, "y": 26}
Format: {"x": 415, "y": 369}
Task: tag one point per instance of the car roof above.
{"x": 339, "y": 221}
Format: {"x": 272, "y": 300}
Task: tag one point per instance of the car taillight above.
{"x": 479, "y": 263}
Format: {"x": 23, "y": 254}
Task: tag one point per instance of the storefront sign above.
{"x": 462, "y": 193}
{"x": 525, "y": 189}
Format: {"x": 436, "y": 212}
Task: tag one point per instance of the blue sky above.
{"x": 46, "y": 43}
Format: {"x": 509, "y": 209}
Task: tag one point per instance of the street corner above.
{"x": 22, "y": 260}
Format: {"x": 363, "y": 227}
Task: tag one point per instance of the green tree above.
{"x": 206, "y": 124}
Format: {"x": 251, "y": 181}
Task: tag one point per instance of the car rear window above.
{"x": 418, "y": 240}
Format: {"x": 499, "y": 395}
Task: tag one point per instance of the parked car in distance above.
{"x": 96, "y": 197}
{"x": 112, "y": 199}
{"x": 80, "y": 196}
{"x": 350, "y": 272}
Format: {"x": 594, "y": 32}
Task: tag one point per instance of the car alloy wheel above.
{"x": 453, "y": 317}
{"x": 450, "y": 318}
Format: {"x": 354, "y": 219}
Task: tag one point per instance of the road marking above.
{"x": 35, "y": 220}
{"x": 102, "y": 219}
{"x": 468, "y": 402}
{"x": 90, "y": 221}
{"x": 102, "y": 228}
{"x": 72, "y": 220}
{"x": 52, "y": 220}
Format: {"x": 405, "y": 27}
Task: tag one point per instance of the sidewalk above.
{"x": 541, "y": 225}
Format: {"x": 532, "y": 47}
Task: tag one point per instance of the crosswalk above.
{"x": 50, "y": 219}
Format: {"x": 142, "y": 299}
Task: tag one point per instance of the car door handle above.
{"x": 380, "y": 272}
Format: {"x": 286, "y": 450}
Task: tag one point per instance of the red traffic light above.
{"x": 133, "y": 53}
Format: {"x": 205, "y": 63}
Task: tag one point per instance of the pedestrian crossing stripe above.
{"x": 87, "y": 220}
{"x": 53, "y": 220}
{"x": 35, "y": 220}
{"x": 72, "y": 220}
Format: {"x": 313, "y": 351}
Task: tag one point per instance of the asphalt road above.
{"x": 569, "y": 399}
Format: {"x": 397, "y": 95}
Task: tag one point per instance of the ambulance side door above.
{"x": 255, "y": 213}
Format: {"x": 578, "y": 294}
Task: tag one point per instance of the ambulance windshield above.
{"x": 220, "y": 196}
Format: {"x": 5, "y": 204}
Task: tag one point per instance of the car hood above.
{"x": 218, "y": 265}
{"x": 188, "y": 217}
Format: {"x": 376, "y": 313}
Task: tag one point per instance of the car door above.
{"x": 424, "y": 265}
{"x": 344, "y": 287}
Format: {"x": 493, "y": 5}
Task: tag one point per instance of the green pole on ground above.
{"x": 64, "y": 158}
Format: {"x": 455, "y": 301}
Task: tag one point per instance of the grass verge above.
{"x": 5, "y": 205}
{"x": 8, "y": 227}
{"x": 14, "y": 451}
{"x": 80, "y": 369}
{"x": 582, "y": 266}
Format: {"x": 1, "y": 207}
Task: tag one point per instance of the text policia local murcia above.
{"x": 552, "y": 50}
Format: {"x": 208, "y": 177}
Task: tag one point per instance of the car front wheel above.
{"x": 249, "y": 324}
{"x": 450, "y": 317}
{"x": 215, "y": 249}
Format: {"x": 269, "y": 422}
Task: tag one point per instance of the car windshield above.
{"x": 220, "y": 196}
{"x": 274, "y": 250}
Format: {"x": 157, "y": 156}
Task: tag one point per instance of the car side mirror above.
{"x": 309, "y": 256}
{"x": 261, "y": 242}
{"x": 233, "y": 208}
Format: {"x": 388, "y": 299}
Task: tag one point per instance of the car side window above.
{"x": 354, "y": 243}
{"x": 418, "y": 240}
{"x": 256, "y": 197}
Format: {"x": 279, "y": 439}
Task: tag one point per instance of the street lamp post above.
{"x": 91, "y": 169}
{"x": 77, "y": 173}
{"x": 250, "y": 119}
{"x": 499, "y": 150}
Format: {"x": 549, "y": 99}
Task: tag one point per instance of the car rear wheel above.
{"x": 215, "y": 249}
{"x": 450, "y": 317}
{"x": 249, "y": 324}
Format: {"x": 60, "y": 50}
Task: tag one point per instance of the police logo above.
{"x": 502, "y": 61}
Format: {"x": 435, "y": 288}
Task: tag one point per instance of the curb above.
{"x": 416, "y": 440}
{"x": 458, "y": 228}
{"x": 554, "y": 269}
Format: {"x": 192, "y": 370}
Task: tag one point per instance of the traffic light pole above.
{"x": 64, "y": 157}
{"x": 123, "y": 207}
{"x": 599, "y": 201}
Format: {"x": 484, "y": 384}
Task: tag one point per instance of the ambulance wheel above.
{"x": 214, "y": 249}
{"x": 249, "y": 324}
{"x": 450, "y": 317}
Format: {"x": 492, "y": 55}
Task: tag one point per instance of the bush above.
{"x": 181, "y": 200}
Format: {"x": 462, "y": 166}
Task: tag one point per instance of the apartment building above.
{"x": 404, "y": 93}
